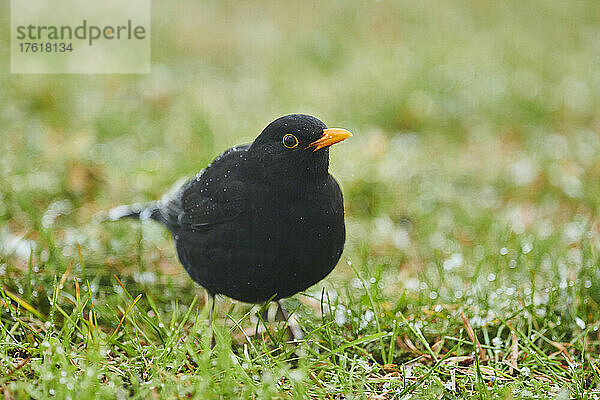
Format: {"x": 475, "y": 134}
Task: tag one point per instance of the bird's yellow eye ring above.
{"x": 290, "y": 141}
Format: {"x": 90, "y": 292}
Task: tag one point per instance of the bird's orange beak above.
{"x": 330, "y": 136}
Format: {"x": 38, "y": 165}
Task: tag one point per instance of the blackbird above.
{"x": 264, "y": 220}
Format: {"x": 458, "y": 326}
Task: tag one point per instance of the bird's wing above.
{"x": 213, "y": 197}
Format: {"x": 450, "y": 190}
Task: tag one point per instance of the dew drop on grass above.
{"x": 455, "y": 260}
{"x": 540, "y": 312}
{"x": 563, "y": 284}
{"x": 340, "y": 315}
{"x": 356, "y": 283}
{"x": 588, "y": 284}
{"x": 296, "y": 376}
{"x": 580, "y": 323}
{"x": 491, "y": 277}
{"x": 504, "y": 251}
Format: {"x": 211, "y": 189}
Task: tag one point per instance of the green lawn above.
{"x": 472, "y": 188}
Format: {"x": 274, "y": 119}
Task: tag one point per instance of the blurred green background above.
{"x": 472, "y": 178}
{"x": 467, "y": 116}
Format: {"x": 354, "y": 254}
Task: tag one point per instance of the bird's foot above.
{"x": 293, "y": 327}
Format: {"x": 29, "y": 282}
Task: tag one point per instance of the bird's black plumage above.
{"x": 263, "y": 220}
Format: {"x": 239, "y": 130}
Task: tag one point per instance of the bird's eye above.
{"x": 290, "y": 141}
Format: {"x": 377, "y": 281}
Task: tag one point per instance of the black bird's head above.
{"x": 296, "y": 145}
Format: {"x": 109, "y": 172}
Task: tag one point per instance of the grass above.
{"x": 471, "y": 268}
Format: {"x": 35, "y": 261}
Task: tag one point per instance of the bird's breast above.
{"x": 305, "y": 219}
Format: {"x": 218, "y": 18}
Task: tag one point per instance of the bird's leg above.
{"x": 292, "y": 324}
{"x": 211, "y": 314}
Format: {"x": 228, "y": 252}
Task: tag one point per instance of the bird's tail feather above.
{"x": 135, "y": 211}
